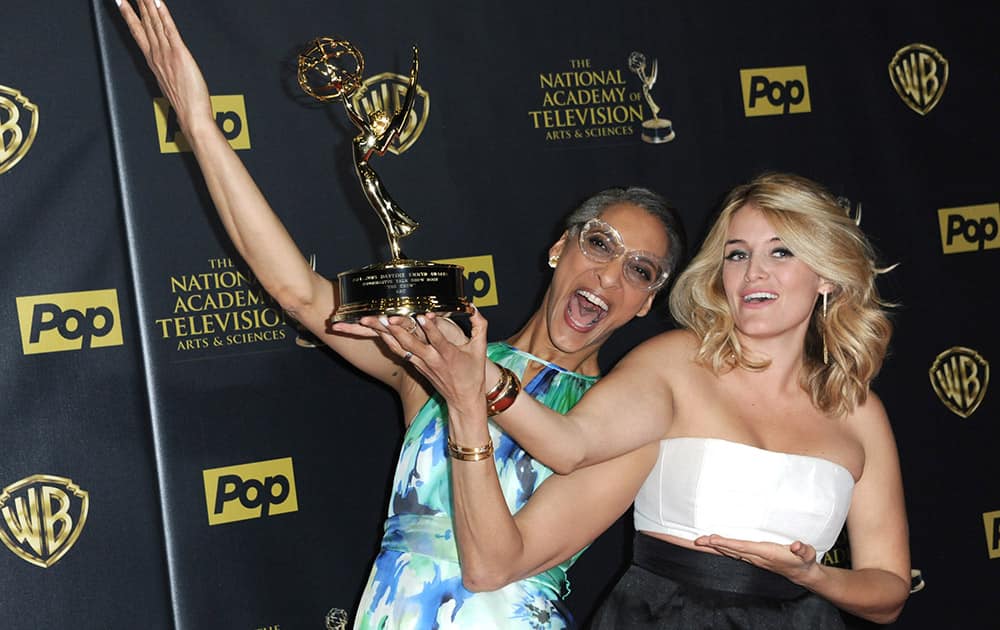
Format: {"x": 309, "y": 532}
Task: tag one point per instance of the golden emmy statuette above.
{"x": 656, "y": 130}
{"x": 332, "y": 70}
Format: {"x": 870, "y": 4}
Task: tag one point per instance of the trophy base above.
{"x": 657, "y": 131}
{"x": 401, "y": 287}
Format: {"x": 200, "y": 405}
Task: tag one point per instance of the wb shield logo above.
{"x": 41, "y": 518}
{"x": 18, "y": 125}
{"x": 775, "y": 91}
{"x": 919, "y": 75}
{"x": 230, "y": 117}
{"x": 386, "y": 92}
{"x": 238, "y": 493}
{"x": 69, "y": 321}
{"x": 480, "y": 281}
{"x": 960, "y": 377}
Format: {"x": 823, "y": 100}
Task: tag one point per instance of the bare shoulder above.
{"x": 869, "y": 417}
{"x": 870, "y": 426}
{"x": 676, "y": 344}
{"x": 657, "y": 361}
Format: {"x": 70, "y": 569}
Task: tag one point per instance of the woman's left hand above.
{"x": 174, "y": 67}
{"x": 795, "y": 561}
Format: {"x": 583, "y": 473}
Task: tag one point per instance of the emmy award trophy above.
{"x": 656, "y": 130}
{"x": 332, "y": 70}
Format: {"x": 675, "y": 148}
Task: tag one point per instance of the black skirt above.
{"x": 673, "y": 587}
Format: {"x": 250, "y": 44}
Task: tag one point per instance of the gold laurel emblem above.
{"x": 385, "y": 93}
{"x": 41, "y": 518}
{"x": 919, "y": 74}
{"x": 960, "y": 377}
{"x": 18, "y": 126}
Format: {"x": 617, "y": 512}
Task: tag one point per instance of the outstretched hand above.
{"x": 176, "y": 71}
{"x": 795, "y": 561}
{"x": 454, "y": 365}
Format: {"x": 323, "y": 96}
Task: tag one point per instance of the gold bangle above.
{"x": 505, "y": 397}
{"x": 501, "y": 383}
{"x": 470, "y": 454}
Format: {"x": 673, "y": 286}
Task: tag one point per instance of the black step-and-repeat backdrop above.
{"x": 175, "y": 454}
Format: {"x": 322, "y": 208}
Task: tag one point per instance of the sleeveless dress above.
{"x": 710, "y": 486}
{"x": 416, "y": 580}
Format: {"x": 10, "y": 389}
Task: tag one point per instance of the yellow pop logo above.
{"x": 255, "y": 490}
{"x": 480, "y": 281}
{"x": 69, "y": 321}
{"x": 230, "y": 115}
{"x": 775, "y": 91}
{"x": 969, "y": 228}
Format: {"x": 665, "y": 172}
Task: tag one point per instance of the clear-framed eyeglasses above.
{"x": 601, "y": 242}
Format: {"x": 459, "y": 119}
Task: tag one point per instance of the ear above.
{"x": 558, "y": 246}
{"x": 646, "y": 306}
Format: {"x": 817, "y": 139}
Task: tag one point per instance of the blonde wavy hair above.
{"x": 821, "y": 234}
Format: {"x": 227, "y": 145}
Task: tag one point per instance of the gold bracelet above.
{"x": 470, "y": 454}
{"x": 501, "y": 383}
{"x": 506, "y": 395}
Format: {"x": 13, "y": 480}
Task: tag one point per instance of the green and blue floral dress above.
{"x": 416, "y": 581}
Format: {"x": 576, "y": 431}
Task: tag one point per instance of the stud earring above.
{"x": 553, "y": 261}
{"x": 826, "y": 355}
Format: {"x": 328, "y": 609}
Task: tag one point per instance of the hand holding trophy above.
{"x": 332, "y": 69}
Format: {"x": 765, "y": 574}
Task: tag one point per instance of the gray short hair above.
{"x": 646, "y": 199}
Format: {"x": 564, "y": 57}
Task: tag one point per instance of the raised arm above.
{"x": 251, "y": 224}
{"x": 629, "y": 408}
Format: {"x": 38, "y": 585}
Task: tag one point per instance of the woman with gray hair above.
{"x": 421, "y": 578}
{"x": 416, "y": 580}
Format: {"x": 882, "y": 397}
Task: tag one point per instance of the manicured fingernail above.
{"x": 118, "y": 2}
{"x": 421, "y": 319}
{"x": 157, "y": 3}
{"x": 383, "y": 320}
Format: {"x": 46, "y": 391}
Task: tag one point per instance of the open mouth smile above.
{"x": 585, "y": 310}
{"x": 759, "y": 297}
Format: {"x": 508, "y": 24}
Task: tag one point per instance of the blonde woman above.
{"x": 769, "y": 437}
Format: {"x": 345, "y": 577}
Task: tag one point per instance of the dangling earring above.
{"x": 553, "y": 260}
{"x": 826, "y": 356}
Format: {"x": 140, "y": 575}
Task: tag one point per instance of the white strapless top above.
{"x": 705, "y": 486}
